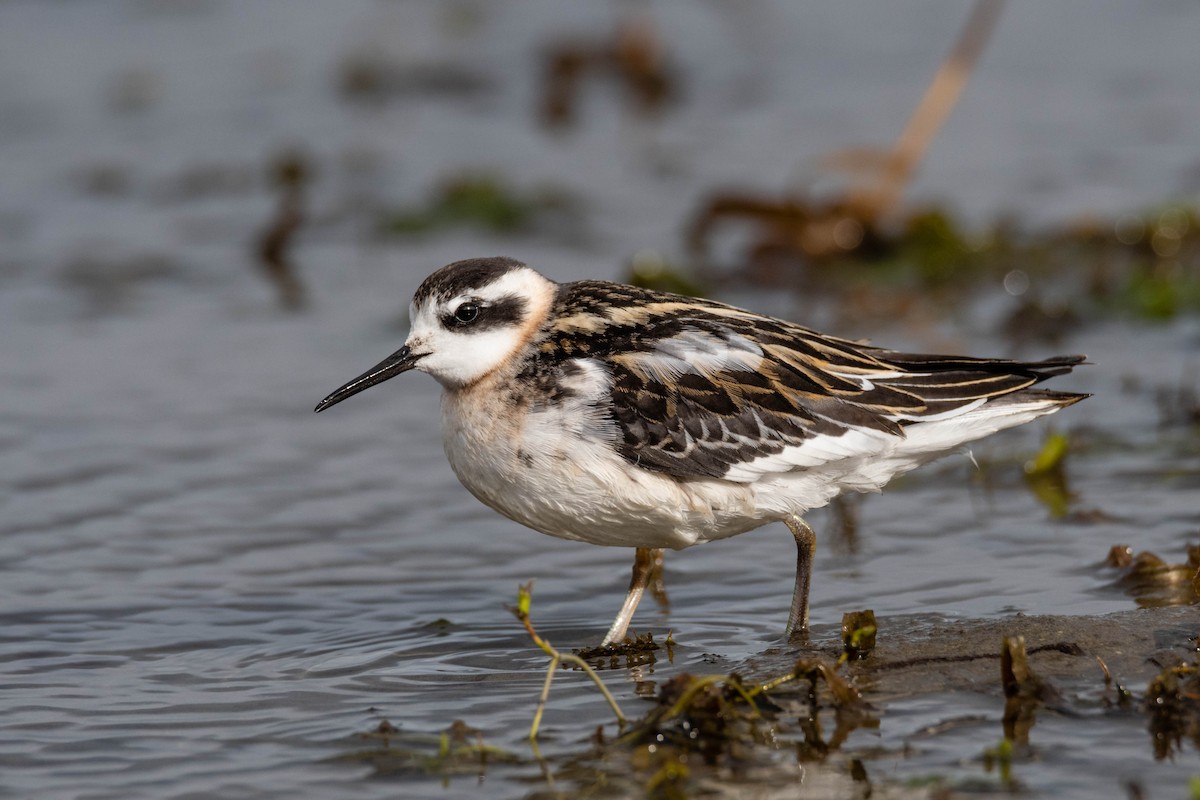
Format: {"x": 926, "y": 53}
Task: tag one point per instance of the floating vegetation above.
{"x": 716, "y": 720}
{"x": 439, "y": 627}
{"x": 486, "y": 203}
{"x": 702, "y": 731}
{"x": 524, "y": 603}
{"x": 633, "y": 57}
{"x": 713, "y": 716}
{"x": 863, "y": 245}
{"x": 1033, "y": 319}
{"x": 1024, "y": 690}
{"x": 1122, "y": 697}
{"x": 637, "y": 650}
{"x": 794, "y": 236}
{"x": 458, "y": 750}
{"x": 788, "y": 236}
{"x": 1153, "y": 581}
{"x": 1143, "y": 265}
{"x": 649, "y": 270}
{"x": 1046, "y": 475}
{"x": 819, "y": 245}
{"x": 1000, "y": 759}
{"x": 290, "y": 173}
{"x": 1173, "y": 703}
{"x": 731, "y": 724}
{"x": 858, "y": 634}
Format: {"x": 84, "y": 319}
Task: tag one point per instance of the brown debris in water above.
{"x": 1154, "y": 582}
{"x": 725, "y": 728}
{"x": 795, "y": 229}
{"x": 846, "y": 697}
{"x": 713, "y": 716}
{"x": 636, "y": 650}
{"x": 1123, "y": 696}
{"x": 290, "y": 173}
{"x": 487, "y": 203}
{"x": 457, "y": 750}
{"x": 858, "y": 634}
{"x": 1173, "y": 703}
{"x": 787, "y": 230}
{"x": 1024, "y": 690}
{"x": 633, "y": 57}
{"x": 721, "y": 718}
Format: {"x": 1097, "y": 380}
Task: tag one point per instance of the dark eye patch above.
{"x": 477, "y": 315}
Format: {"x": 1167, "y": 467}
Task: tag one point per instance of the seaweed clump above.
{"x": 633, "y": 57}
{"x": 457, "y": 750}
{"x": 1024, "y": 690}
{"x": 726, "y": 723}
{"x": 1173, "y": 703}
{"x": 1153, "y": 581}
{"x": 484, "y": 202}
{"x": 858, "y": 634}
{"x": 1046, "y": 475}
{"x": 291, "y": 173}
{"x": 637, "y": 651}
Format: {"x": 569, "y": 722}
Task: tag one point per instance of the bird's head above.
{"x": 468, "y": 319}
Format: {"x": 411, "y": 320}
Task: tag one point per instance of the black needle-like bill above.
{"x": 400, "y": 361}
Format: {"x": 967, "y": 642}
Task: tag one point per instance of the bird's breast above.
{"x": 554, "y": 469}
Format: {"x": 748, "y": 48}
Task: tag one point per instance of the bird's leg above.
{"x": 643, "y": 565}
{"x": 806, "y": 545}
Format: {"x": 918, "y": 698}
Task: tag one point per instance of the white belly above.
{"x": 554, "y": 471}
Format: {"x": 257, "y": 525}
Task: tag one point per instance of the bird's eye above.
{"x": 466, "y": 313}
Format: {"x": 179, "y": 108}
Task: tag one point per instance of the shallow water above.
{"x": 206, "y": 590}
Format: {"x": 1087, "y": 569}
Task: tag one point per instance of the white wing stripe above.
{"x": 954, "y": 412}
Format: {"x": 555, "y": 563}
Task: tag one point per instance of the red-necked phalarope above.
{"x": 614, "y": 415}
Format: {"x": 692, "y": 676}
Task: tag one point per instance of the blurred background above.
{"x": 213, "y": 213}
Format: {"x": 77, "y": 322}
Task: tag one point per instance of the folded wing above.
{"x": 722, "y": 393}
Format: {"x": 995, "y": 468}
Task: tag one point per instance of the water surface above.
{"x": 205, "y": 590}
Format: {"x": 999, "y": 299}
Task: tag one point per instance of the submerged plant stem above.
{"x": 541, "y": 704}
{"x": 524, "y": 601}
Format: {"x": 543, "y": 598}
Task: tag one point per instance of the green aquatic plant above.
{"x": 1046, "y": 475}
{"x": 1024, "y": 690}
{"x": 457, "y": 750}
{"x": 858, "y": 634}
{"x": 934, "y": 244}
{"x": 703, "y": 721}
{"x": 481, "y": 201}
{"x": 649, "y": 270}
{"x": 521, "y": 611}
{"x": 1000, "y": 758}
{"x": 1173, "y": 703}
